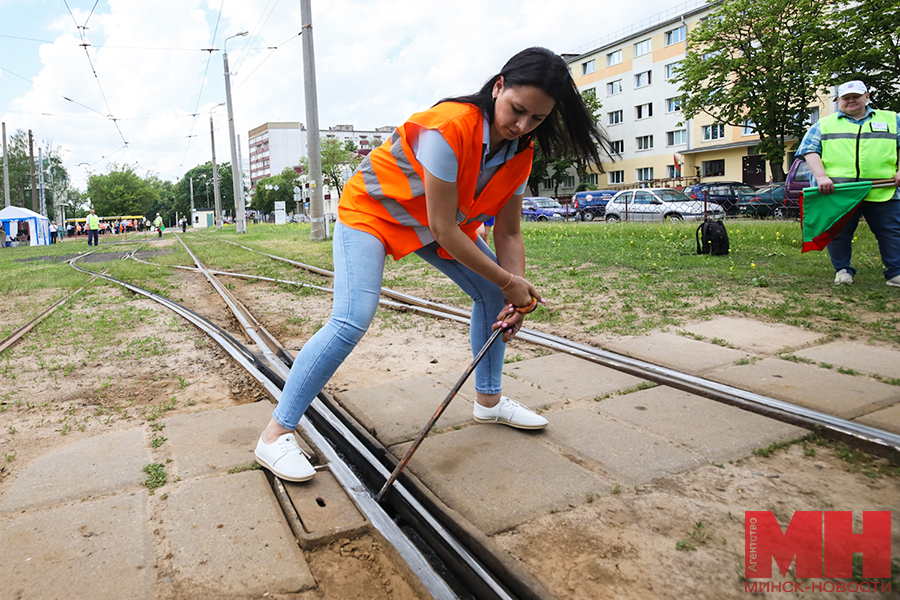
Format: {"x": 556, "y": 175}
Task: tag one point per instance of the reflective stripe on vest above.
{"x": 852, "y": 152}
{"x": 386, "y": 194}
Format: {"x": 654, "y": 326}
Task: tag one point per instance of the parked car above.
{"x": 591, "y": 205}
{"x": 300, "y": 219}
{"x": 724, "y": 193}
{"x": 658, "y": 204}
{"x": 799, "y": 176}
{"x": 766, "y": 201}
{"x": 541, "y": 208}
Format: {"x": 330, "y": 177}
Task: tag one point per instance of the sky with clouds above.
{"x": 129, "y": 81}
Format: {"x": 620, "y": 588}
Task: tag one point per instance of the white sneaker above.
{"x": 285, "y": 458}
{"x": 843, "y": 276}
{"x": 509, "y": 412}
{"x": 894, "y": 281}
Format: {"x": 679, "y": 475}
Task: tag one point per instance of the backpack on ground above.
{"x": 712, "y": 238}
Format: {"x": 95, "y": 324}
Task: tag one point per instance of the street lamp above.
{"x": 236, "y": 179}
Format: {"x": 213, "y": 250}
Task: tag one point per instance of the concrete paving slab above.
{"x": 397, "y": 412}
{"x": 488, "y": 473}
{"x": 101, "y": 549}
{"x": 530, "y": 395}
{"x": 229, "y": 537}
{"x": 677, "y": 352}
{"x": 866, "y": 358}
{"x": 94, "y": 466}
{"x": 886, "y": 418}
{"x": 214, "y": 441}
{"x": 570, "y": 377}
{"x": 825, "y": 390}
{"x": 714, "y": 430}
{"x": 755, "y": 336}
{"x": 625, "y": 454}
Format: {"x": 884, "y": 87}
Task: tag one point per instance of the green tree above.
{"x": 757, "y": 61}
{"x": 121, "y": 192}
{"x": 165, "y": 200}
{"x": 204, "y": 193}
{"x": 336, "y": 157}
{"x": 55, "y": 175}
{"x": 264, "y": 199}
{"x": 865, "y": 44}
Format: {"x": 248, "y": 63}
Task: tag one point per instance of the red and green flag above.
{"x": 823, "y": 216}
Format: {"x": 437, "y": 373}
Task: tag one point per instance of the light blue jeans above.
{"x": 358, "y": 273}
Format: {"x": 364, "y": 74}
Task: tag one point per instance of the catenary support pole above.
{"x": 5, "y": 169}
{"x": 316, "y": 202}
{"x": 216, "y": 192}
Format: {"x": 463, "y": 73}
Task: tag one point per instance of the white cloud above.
{"x": 377, "y": 61}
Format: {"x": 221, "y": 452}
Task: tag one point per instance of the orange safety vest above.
{"x": 386, "y": 195}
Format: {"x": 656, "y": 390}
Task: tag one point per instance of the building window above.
{"x": 642, "y": 47}
{"x": 588, "y": 67}
{"x": 671, "y": 69}
{"x": 615, "y": 117}
{"x": 642, "y": 79}
{"x": 617, "y": 147}
{"x": 569, "y": 181}
{"x": 676, "y": 138}
{"x": 713, "y": 168}
{"x": 645, "y": 142}
{"x": 613, "y": 58}
{"x": 592, "y": 179}
{"x": 645, "y": 174}
{"x": 748, "y": 127}
{"x": 713, "y": 132}
{"x": 671, "y": 173}
{"x": 617, "y": 176}
{"x": 614, "y": 87}
{"x": 813, "y": 117}
{"x": 675, "y": 36}
{"x": 548, "y": 184}
{"x": 643, "y": 111}
{"x": 673, "y": 104}
{"x": 589, "y": 93}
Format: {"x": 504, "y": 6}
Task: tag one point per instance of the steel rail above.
{"x": 416, "y": 561}
{"x": 700, "y": 386}
{"x": 16, "y": 335}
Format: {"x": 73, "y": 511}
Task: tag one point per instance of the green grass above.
{"x": 606, "y": 279}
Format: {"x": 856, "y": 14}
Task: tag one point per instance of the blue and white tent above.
{"x": 38, "y": 225}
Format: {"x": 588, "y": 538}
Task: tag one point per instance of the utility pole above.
{"x": 34, "y": 195}
{"x": 240, "y": 219}
{"x": 218, "y": 195}
{"x": 318, "y": 225}
{"x": 5, "y": 169}
{"x": 43, "y": 196}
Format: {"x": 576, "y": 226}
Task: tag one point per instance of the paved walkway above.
{"x": 77, "y": 523}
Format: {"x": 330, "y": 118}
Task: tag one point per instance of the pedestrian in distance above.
{"x": 54, "y": 232}
{"x": 447, "y": 170}
{"x": 158, "y": 223}
{"x": 92, "y": 223}
{"x": 859, "y": 143}
{"x": 183, "y": 225}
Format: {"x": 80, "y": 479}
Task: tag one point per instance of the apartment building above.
{"x": 632, "y": 72}
{"x": 274, "y": 146}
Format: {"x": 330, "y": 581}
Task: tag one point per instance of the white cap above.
{"x": 852, "y": 87}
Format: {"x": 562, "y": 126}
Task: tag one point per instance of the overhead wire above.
{"x": 211, "y": 49}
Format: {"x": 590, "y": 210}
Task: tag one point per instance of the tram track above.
{"x": 467, "y": 552}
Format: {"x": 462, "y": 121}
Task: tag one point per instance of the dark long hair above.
{"x": 570, "y": 129}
